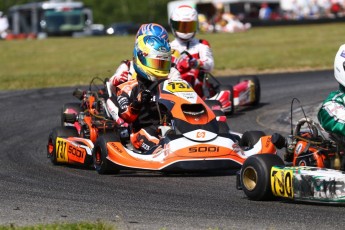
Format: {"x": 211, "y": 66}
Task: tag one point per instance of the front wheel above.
{"x": 250, "y": 138}
{"x": 100, "y": 153}
{"x": 256, "y": 178}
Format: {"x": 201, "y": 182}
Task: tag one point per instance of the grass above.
{"x": 57, "y": 62}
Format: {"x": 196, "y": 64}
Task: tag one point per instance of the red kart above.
{"x": 245, "y": 93}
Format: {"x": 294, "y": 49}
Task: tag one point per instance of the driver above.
{"x": 125, "y": 71}
{"x": 332, "y": 113}
{"x": 184, "y": 25}
{"x": 133, "y": 100}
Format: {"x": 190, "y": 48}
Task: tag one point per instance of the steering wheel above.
{"x": 311, "y": 124}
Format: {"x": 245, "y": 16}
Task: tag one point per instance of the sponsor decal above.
{"x": 66, "y": 151}
{"x": 145, "y": 146}
{"x": 299, "y": 148}
{"x": 201, "y": 134}
{"x": 116, "y": 147}
{"x": 161, "y": 151}
{"x": 281, "y": 182}
{"x": 123, "y": 101}
{"x": 237, "y": 148}
{"x": 315, "y": 187}
{"x": 343, "y": 54}
{"x": 203, "y": 149}
{"x": 268, "y": 142}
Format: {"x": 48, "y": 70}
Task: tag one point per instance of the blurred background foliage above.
{"x": 110, "y": 11}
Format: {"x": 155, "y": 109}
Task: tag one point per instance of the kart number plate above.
{"x": 281, "y": 182}
{"x": 176, "y": 87}
{"x": 65, "y": 151}
{"x": 61, "y": 153}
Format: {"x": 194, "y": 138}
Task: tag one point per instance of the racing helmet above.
{"x": 339, "y": 65}
{"x": 151, "y": 58}
{"x": 153, "y": 29}
{"x": 184, "y": 22}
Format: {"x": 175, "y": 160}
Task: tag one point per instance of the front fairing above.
{"x": 189, "y": 114}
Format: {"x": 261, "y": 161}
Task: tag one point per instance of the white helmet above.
{"x": 339, "y": 65}
{"x": 184, "y": 22}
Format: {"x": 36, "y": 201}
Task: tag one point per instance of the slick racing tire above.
{"x": 256, "y": 178}
{"x": 215, "y": 106}
{"x": 257, "y": 87}
{"x": 73, "y": 106}
{"x": 100, "y": 153}
{"x": 250, "y": 138}
{"x": 55, "y": 133}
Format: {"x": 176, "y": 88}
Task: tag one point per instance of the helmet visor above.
{"x": 158, "y": 64}
{"x": 184, "y": 27}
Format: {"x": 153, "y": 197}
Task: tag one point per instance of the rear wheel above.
{"x": 100, "y": 153}
{"x": 68, "y": 109}
{"x": 256, "y": 178}
{"x": 55, "y": 133}
{"x": 257, "y": 88}
{"x": 250, "y": 138}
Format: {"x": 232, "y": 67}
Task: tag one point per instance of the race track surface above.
{"x": 34, "y": 191}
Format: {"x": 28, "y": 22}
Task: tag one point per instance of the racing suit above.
{"x": 124, "y": 73}
{"x": 129, "y": 106}
{"x": 332, "y": 118}
{"x": 202, "y": 53}
{"x": 332, "y": 113}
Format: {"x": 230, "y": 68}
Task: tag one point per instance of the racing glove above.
{"x": 123, "y": 77}
{"x": 195, "y": 63}
{"x": 144, "y": 97}
{"x": 183, "y": 66}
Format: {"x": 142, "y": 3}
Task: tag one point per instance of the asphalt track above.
{"x": 33, "y": 191}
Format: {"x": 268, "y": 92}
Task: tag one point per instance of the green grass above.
{"x": 62, "y": 226}
{"x": 68, "y": 61}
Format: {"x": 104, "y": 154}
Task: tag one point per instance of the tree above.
{"x": 109, "y": 11}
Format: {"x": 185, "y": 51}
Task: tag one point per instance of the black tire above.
{"x": 100, "y": 153}
{"x": 55, "y": 133}
{"x": 213, "y": 104}
{"x": 231, "y": 88}
{"x": 250, "y": 138}
{"x": 256, "y": 82}
{"x": 74, "y": 106}
{"x": 256, "y": 178}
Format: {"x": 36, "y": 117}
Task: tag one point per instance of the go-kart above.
{"x": 193, "y": 138}
{"x": 85, "y": 121}
{"x": 245, "y": 93}
{"x": 312, "y": 171}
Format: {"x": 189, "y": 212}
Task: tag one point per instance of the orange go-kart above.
{"x": 193, "y": 137}
{"x": 309, "y": 146}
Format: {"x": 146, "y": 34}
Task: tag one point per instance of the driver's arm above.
{"x": 332, "y": 117}
{"x": 206, "y": 56}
